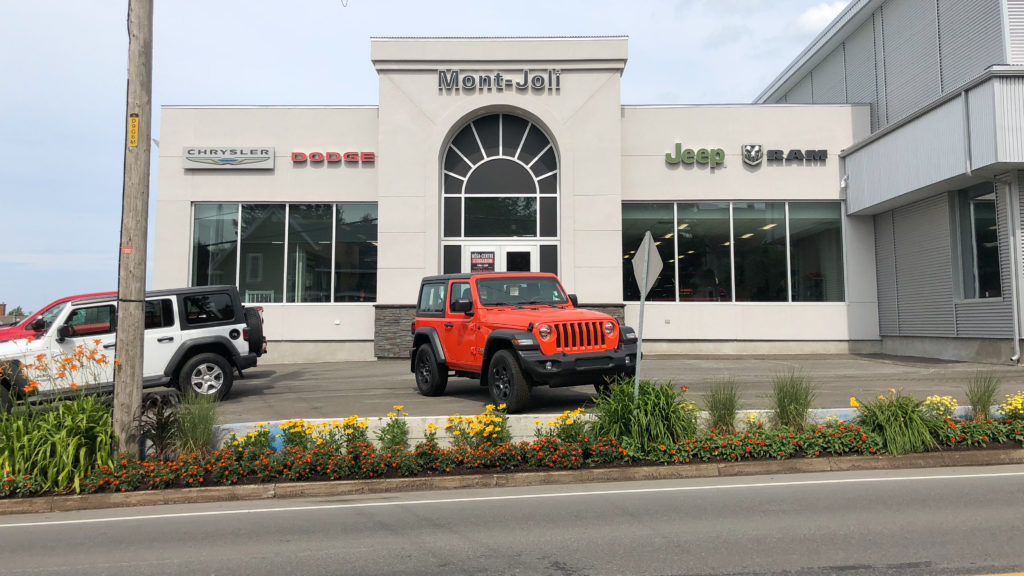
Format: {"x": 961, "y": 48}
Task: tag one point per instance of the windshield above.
{"x": 50, "y": 314}
{"x": 513, "y": 291}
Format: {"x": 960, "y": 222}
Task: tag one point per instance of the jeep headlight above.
{"x": 544, "y": 331}
{"x": 609, "y": 327}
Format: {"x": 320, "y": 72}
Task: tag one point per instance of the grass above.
{"x": 792, "y": 397}
{"x": 981, "y": 394}
{"x": 722, "y": 401}
{"x": 657, "y": 416}
{"x": 197, "y": 415}
{"x": 901, "y": 422}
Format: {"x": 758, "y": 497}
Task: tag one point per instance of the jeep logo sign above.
{"x": 712, "y": 157}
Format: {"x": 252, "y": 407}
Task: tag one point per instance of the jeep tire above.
{"x": 255, "y": 325}
{"x": 430, "y": 380}
{"x": 507, "y": 383}
{"x": 206, "y": 374}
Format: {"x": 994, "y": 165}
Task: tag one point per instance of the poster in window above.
{"x": 481, "y": 261}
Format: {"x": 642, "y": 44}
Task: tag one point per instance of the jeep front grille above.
{"x": 579, "y": 336}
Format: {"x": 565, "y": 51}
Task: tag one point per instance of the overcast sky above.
{"x": 63, "y": 65}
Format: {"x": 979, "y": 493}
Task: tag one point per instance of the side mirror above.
{"x": 65, "y": 332}
{"x": 575, "y": 301}
{"x": 463, "y": 306}
{"x": 38, "y": 325}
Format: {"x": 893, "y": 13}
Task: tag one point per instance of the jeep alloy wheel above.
{"x": 430, "y": 380}
{"x": 507, "y": 383}
{"x": 206, "y": 374}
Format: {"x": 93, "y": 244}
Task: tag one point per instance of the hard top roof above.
{"x": 468, "y": 275}
{"x": 158, "y": 293}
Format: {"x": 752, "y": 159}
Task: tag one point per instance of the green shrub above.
{"x": 394, "y": 433}
{"x": 157, "y": 423}
{"x": 901, "y": 421}
{"x": 197, "y": 415}
{"x": 981, "y": 394}
{"x": 722, "y": 401}
{"x": 57, "y": 444}
{"x": 659, "y": 415}
{"x": 792, "y": 397}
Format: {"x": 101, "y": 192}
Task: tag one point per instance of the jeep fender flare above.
{"x": 505, "y": 340}
{"x": 209, "y": 343}
{"x": 427, "y": 334}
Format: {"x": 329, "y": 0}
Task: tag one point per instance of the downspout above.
{"x": 967, "y": 132}
{"x": 1011, "y": 217}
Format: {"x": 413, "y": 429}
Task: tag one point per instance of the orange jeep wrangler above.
{"x": 513, "y": 331}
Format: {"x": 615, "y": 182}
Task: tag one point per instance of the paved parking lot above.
{"x": 333, "y": 390}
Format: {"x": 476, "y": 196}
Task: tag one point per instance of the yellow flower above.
{"x": 392, "y": 414}
{"x": 569, "y": 421}
{"x": 363, "y": 424}
{"x": 398, "y": 408}
{"x": 502, "y": 406}
{"x": 880, "y": 397}
{"x": 892, "y": 390}
{"x": 348, "y": 430}
{"x": 456, "y": 433}
{"x": 853, "y": 402}
{"x": 537, "y": 422}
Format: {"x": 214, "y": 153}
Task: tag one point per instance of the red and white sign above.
{"x": 299, "y": 157}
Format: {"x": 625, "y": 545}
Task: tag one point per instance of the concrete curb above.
{"x": 507, "y": 480}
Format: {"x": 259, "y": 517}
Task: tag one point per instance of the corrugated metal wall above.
{"x": 1009, "y": 94}
{"x": 914, "y": 267}
{"x": 1015, "y": 25}
{"x": 829, "y": 79}
{"x": 860, "y": 69}
{"x": 909, "y": 32}
{"x": 885, "y": 262}
{"x": 981, "y": 102}
{"x": 966, "y": 30}
{"x": 910, "y": 52}
{"x": 924, "y": 287}
{"x": 802, "y": 92}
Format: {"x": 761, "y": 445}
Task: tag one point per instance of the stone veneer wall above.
{"x": 392, "y": 337}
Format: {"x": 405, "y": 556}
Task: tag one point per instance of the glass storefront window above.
{"x": 262, "y": 262}
{"x": 637, "y": 219}
{"x": 509, "y": 217}
{"x": 326, "y": 244}
{"x": 703, "y": 255}
{"x": 355, "y": 253}
{"x": 816, "y": 252}
{"x": 309, "y": 252}
{"x": 712, "y": 246}
{"x": 979, "y": 242}
{"x": 214, "y": 244}
{"x": 759, "y": 251}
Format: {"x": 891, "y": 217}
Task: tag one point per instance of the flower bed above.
{"x": 343, "y": 449}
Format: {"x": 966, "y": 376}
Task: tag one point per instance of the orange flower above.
{"x": 73, "y": 386}
{"x": 685, "y": 388}
{"x": 97, "y": 341}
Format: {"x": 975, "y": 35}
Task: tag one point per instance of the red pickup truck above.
{"x": 36, "y": 325}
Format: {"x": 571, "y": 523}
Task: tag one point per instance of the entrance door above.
{"x": 501, "y": 258}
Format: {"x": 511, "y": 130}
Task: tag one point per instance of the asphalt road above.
{"x": 333, "y": 390}
{"x": 920, "y": 522}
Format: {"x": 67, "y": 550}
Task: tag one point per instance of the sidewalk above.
{"x": 370, "y": 389}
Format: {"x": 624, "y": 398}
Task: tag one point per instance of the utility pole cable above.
{"x": 131, "y": 273}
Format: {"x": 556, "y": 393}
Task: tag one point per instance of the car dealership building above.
{"x": 868, "y": 202}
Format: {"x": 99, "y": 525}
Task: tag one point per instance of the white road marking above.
{"x": 509, "y": 497}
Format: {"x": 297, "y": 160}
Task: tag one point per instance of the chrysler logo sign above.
{"x": 206, "y": 158}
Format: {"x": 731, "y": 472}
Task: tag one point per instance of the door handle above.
{"x": 448, "y": 325}
{"x": 111, "y": 345}
{"x": 165, "y": 339}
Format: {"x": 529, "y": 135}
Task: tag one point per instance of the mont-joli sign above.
{"x": 452, "y": 80}
{"x": 228, "y": 157}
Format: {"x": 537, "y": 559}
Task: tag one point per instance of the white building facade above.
{"x": 517, "y": 154}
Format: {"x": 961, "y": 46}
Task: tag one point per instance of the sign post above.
{"x": 647, "y": 266}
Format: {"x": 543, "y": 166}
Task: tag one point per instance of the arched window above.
{"x": 500, "y": 181}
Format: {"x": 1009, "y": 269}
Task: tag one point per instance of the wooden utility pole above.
{"x": 131, "y": 273}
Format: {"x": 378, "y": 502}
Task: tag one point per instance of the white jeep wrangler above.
{"x": 195, "y": 338}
